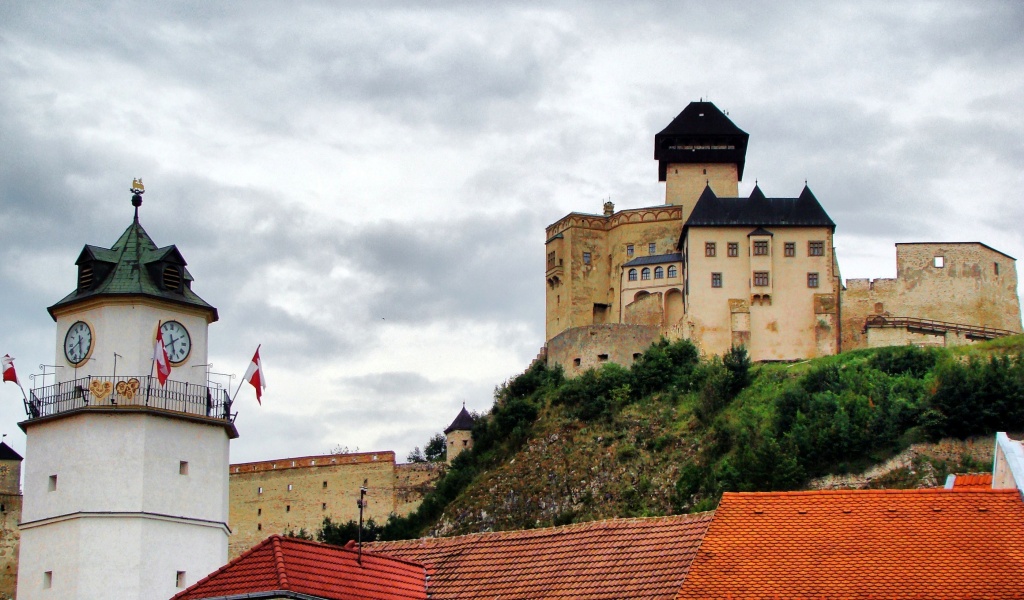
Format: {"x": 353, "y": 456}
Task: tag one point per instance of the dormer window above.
{"x": 172, "y": 278}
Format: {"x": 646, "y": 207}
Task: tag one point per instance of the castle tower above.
{"x": 459, "y": 435}
{"x": 700, "y": 147}
{"x": 126, "y": 478}
{"x": 10, "y": 514}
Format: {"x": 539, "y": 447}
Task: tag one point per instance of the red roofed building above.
{"x": 283, "y": 567}
{"x": 879, "y": 544}
{"x": 969, "y": 481}
{"x": 613, "y": 559}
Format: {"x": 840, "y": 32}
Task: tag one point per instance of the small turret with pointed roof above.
{"x": 459, "y": 435}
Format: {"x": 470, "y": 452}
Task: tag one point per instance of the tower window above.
{"x": 790, "y": 249}
{"x": 673, "y": 271}
{"x": 183, "y": 467}
{"x": 172, "y": 278}
{"x": 939, "y": 262}
{"x": 761, "y": 248}
{"x": 996, "y": 265}
{"x": 632, "y": 274}
{"x": 710, "y": 249}
{"x": 734, "y": 249}
{"x": 629, "y": 249}
{"x": 179, "y": 579}
{"x": 259, "y": 512}
{"x": 325, "y": 485}
{"x": 812, "y": 280}
{"x": 659, "y": 273}
{"x": 47, "y": 580}
{"x": 259, "y": 491}
{"x": 815, "y": 248}
{"x": 645, "y": 274}
{"x": 761, "y": 278}
{"x": 259, "y": 527}
{"x": 716, "y": 280}
{"x": 289, "y": 487}
{"x": 53, "y": 484}
{"x": 287, "y": 508}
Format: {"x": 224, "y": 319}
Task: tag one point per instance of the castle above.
{"x": 760, "y": 272}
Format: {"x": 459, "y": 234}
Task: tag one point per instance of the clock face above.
{"x": 78, "y": 343}
{"x": 176, "y": 341}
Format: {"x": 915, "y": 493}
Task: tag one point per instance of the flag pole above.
{"x": 239, "y": 388}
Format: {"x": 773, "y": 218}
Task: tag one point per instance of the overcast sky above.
{"x": 364, "y": 191}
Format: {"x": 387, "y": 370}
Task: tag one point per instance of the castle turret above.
{"x": 126, "y": 479}
{"x": 459, "y": 435}
{"x": 700, "y": 147}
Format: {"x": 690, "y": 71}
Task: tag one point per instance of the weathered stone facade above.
{"x": 962, "y": 283}
{"x": 582, "y": 348}
{"x": 289, "y": 494}
{"x": 10, "y": 517}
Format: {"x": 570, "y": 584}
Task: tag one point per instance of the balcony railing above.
{"x": 129, "y": 392}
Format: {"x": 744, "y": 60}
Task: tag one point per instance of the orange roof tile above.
{"x": 283, "y": 564}
{"x": 972, "y": 481}
{"x": 618, "y": 558}
{"x": 880, "y": 544}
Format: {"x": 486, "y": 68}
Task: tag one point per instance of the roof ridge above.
{"x": 689, "y": 517}
{"x": 282, "y": 576}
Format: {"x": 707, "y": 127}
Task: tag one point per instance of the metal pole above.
{"x": 361, "y": 503}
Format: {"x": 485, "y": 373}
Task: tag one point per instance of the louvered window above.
{"x": 172, "y": 278}
{"x": 84, "y": 277}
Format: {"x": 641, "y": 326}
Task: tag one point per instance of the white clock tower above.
{"x": 126, "y": 478}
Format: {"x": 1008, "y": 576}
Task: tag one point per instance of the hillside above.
{"x": 673, "y": 432}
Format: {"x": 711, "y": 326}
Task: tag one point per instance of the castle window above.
{"x": 673, "y": 271}
{"x": 575, "y": 362}
{"x": 551, "y": 260}
{"x": 325, "y": 485}
{"x": 632, "y": 274}
{"x": 734, "y": 249}
{"x": 659, "y": 273}
{"x": 323, "y": 506}
{"x": 586, "y": 258}
{"x": 259, "y": 512}
{"x": 939, "y": 262}
{"x": 47, "y": 580}
{"x": 710, "y": 249}
{"x": 996, "y": 265}
{"x": 812, "y": 280}
{"x": 815, "y": 248}
{"x": 629, "y": 249}
{"x": 289, "y": 487}
{"x": 652, "y": 248}
{"x": 287, "y": 508}
{"x": 183, "y": 467}
{"x": 172, "y": 278}
{"x": 259, "y": 491}
{"x": 761, "y": 278}
{"x": 636, "y": 356}
{"x": 259, "y": 527}
{"x": 761, "y": 248}
{"x": 179, "y": 579}
{"x": 645, "y": 274}
{"x": 602, "y": 357}
{"x": 790, "y": 249}
{"x": 716, "y": 280}
{"x": 52, "y": 486}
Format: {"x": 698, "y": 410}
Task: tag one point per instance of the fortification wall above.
{"x": 582, "y": 348}
{"x": 10, "y": 537}
{"x": 967, "y": 283}
{"x": 275, "y": 496}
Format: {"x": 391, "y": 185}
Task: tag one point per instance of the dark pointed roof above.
{"x": 8, "y": 453}
{"x": 463, "y": 422}
{"x": 125, "y": 269}
{"x": 700, "y": 134}
{"x": 758, "y": 211}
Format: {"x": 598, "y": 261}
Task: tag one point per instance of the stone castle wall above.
{"x": 582, "y": 348}
{"x": 967, "y": 283}
{"x": 275, "y": 496}
{"x": 10, "y": 536}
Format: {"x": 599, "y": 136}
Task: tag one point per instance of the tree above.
{"x": 436, "y": 449}
{"x": 416, "y": 456}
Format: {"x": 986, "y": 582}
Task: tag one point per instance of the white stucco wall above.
{"x": 128, "y": 327}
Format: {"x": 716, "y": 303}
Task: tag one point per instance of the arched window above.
{"x": 659, "y": 273}
{"x": 645, "y": 274}
{"x": 632, "y": 274}
{"x": 672, "y": 271}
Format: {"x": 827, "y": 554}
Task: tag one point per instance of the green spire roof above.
{"x": 134, "y": 266}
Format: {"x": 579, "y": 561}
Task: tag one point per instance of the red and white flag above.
{"x": 9, "y": 374}
{"x": 160, "y": 358}
{"x": 254, "y": 375}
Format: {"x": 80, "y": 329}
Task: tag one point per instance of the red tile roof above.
{"x": 880, "y": 544}
{"x": 972, "y": 481}
{"x": 618, "y": 558}
{"x": 319, "y": 570}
